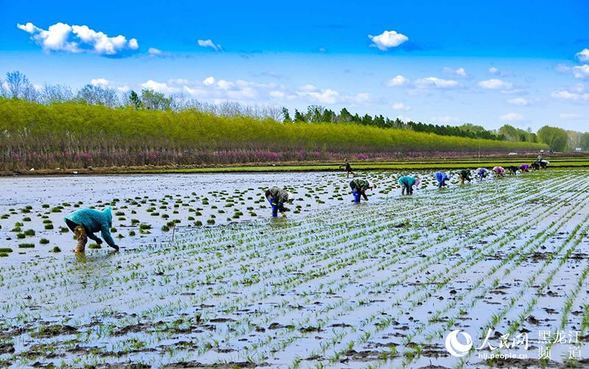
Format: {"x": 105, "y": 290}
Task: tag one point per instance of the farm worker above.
{"x": 524, "y": 168}
{"x": 85, "y": 222}
{"x": 513, "y": 169}
{"x": 407, "y": 183}
{"x": 348, "y": 168}
{"x": 359, "y": 187}
{"x": 277, "y": 198}
{"x": 464, "y": 176}
{"x": 482, "y": 173}
{"x": 499, "y": 171}
{"x": 441, "y": 177}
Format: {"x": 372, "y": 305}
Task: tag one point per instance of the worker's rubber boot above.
{"x": 82, "y": 238}
{"x": 356, "y": 196}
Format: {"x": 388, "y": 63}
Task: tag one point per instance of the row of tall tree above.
{"x": 16, "y": 85}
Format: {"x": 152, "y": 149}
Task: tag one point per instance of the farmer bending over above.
{"x": 482, "y": 173}
{"x": 277, "y": 198}
{"x": 442, "y": 177}
{"x": 464, "y": 176}
{"x": 524, "y": 167}
{"x": 407, "y": 183}
{"x": 499, "y": 171}
{"x": 359, "y": 187}
{"x": 85, "y": 222}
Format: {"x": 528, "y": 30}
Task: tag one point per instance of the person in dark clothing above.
{"x": 348, "y": 168}
{"x": 359, "y": 188}
{"x": 464, "y": 176}
{"x": 277, "y": 198}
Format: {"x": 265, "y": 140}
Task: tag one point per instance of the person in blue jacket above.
{"x": 407, "y": 183}
{"x": 442, "y": 177}
{"x": 85, "y": 222}
{"x": 482, "y": 173}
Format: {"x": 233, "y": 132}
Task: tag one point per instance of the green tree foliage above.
{"x": 135, "y": 100}
{"x": 286, "y": 116}
{"x": 152, "y": 100}
{"x": 584, "y": 141}
{"x": 74, "y": 134}
{"x": 556, "y": 138}
{"x": 299, "y": 117}
{"x": 511, "y": 133}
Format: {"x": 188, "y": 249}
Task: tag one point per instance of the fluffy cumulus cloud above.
{"x": 209, "y": 81}
{"x": 583, "y": 55}
{"x": 512, "y": 117}
{"x": 495, "y": 84}
{"x": 581, "y": 71}
{"x": 100, "y": 82}
{"x": 79, "y": 39}
{"x": 435, "y": 82}
{"x": 397, "y": 81}
{"x": 215, "y": 90}
{"x": 209, "y": 44}
{"x": 387, "y": 40}
{"x": 494, "y": 71}
{"x": 322, "y": 96}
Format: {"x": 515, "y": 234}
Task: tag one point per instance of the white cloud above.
{"x": 494, "y": 70}
{"x": 78, "y": 39}
{"x": 581, "y": 71}
{"x": 387, "y": 40}
{"x": 159, "y": 87}
{"x": 461, "y": 72}
{"x": 322, "y": 96}
{"x": 400, "y": 106}
{"x": 570, "y": 116}
{"x": 575, "y": 94}
{"x": 583, "y": 55}
{"x": 210, "y": 44}
{"x": 520, "y": 101}
{"x": 100, "y": 82}
{"x": 398, "y": 80}
{"x": 209, "y": 81}
{"x": 154, "y": 52}
{"x": 512, "y": 117}
{"x": 495, "y": 84}
{"x": 435, "y": 82}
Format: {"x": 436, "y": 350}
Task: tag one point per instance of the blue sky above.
{"x": 520, "y": 62}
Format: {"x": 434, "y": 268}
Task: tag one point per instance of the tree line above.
{"x": 16, "y": 85}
